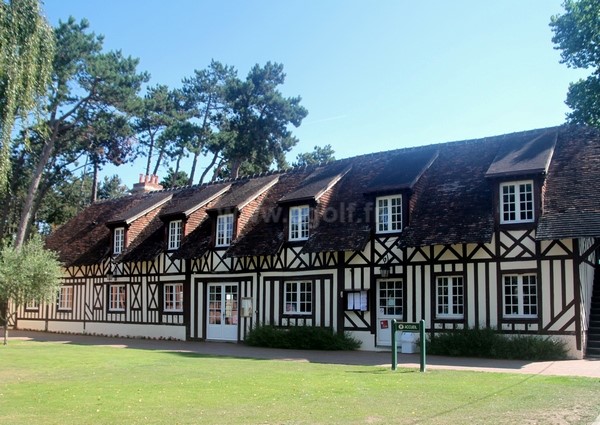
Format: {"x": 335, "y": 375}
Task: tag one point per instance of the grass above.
{"x": 52, "y": 383}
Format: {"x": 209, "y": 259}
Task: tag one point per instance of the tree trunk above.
{"x": 27, "y": 211}
{"x": 161, "y": 154}
{"x": 235, "y": 168}
{"x": 193, "y": 171}
{"x": 207, "y": 169}
{"x": 94, "y": 196}
{"x": 150, "y": 152}
{"x": 4, "y": 309}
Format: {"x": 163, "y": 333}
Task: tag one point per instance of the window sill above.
{"x": 173, "y": 311}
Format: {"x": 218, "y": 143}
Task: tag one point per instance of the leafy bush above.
{"x": 301, "y": 338}
{"x": 489, "y": 343}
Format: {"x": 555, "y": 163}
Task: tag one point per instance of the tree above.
{"x": 204, "y": 95}
{"x": 27, "y": 274}
{"x": 320, "y": 155}
{"x": 26, "y": 51}
{"x": 112, "y": 187}
{"x": 87, "y": 86}
{"x": 175, "y": 179}
{"x": 155, "y": 113}
{"x": 577, "y": 35}
{"x": 259, "y": 120}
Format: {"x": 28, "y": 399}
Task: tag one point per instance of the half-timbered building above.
{"x": 499, "y": 232}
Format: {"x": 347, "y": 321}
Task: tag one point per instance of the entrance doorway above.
{"x": 390, "y": 301}
{"x": 222, "y": 312}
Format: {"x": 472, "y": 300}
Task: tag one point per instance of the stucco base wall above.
{"x": 136, "y": 331}
{"x": 571, "y": 344}
{"x": 66, "y": 327}
{"x": 31, "y": 325}
{"x": 367, "y": 340}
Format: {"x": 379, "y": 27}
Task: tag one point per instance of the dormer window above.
{"x": 224, "y": 230}
{"x": 299, "y": 223}
{"x": 118, "y": 240}
{"x": 175, "y": 231}
{"x": 389, "y": 214}
{"x": 516, "y": 202}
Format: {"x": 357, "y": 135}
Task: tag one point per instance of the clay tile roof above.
{"x": 449, "y": 184}
{"x": 454, "y": 200}
{"x": 145, "y": 203}
{"x": 189, "y": 199}
{"x": 84, "y": 239}
{"x": 264, "y": 233}
{"x": 529, "y": 157}
{"x": 403, "y": 170}
{"x": 571, "y": 203}
{"x": 318, "y": 182}
{"x": 244, "y": 191}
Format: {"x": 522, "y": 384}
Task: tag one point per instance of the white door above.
{"x": 389, "y": 306}
{"x": 222, "y": 312}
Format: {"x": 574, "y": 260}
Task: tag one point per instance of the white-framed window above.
{"x": 520, "y": 295}
{"x": 175, "y": 230}
{"x": 65, "y": 298}
{"x": 298, "y": 297}
{"x": 224, "y": 229}
{"x": 118, "y": 240}
{"x": 299, "y": 223}
{"x": 516, "y": 202}
{"x": 389, "y": 214}
{"x": 450, "y": 297}
{"x": 32, "y": 305}
{"x": 173, "y": 299}
{"x": 116, "y": 298}
{"x": 391, "y": 298}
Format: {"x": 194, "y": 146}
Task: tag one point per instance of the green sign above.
{"x": 407, "y": 327}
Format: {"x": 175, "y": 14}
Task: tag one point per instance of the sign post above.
{"x": 413, "y": 327}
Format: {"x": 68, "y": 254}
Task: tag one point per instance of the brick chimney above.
{"x": 146, "y": 184}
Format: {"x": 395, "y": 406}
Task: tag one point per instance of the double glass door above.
{"x": 222, "y": 311}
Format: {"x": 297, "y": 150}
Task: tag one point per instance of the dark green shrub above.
{"x": 301, "y": 338}
{"x": 489, "y": 343}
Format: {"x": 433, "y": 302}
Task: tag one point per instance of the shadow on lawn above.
{"x": 200, "y": 349}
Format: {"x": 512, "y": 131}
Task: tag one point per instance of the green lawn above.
{"x": 52, "y": 383}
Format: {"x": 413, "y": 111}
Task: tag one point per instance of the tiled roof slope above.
{"x": 151, "y": 241}
{"x": 450, "y": 187}
{"x": 264, "y": 232}
{"x": 85, "y": 239}
{"x": 571, "y": 200}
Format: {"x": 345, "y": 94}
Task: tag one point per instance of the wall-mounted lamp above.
{"x": 384, "y": 269}
{"x": 109, "y": 276}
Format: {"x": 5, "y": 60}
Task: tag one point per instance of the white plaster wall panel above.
{"x": 31, "y": 325}
{"x": 72, "y": 327}
{"x": 136, "y": 330}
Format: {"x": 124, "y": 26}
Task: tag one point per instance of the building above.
{"x": 499, "y": 232}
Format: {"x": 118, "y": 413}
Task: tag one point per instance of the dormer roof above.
{"x": 403, "y": 170}
{"x": 145, "y": 203}
{"x": 318, "y": 182}
{"x": 243, "y": 192}
{"x": 191, "y": 199}
{"x": 524, "y": 156}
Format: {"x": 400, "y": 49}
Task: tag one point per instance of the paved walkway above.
{"x": 589, "y": 368}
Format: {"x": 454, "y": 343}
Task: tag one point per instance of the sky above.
{"x": 374, "y": 75}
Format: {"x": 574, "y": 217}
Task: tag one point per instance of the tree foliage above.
{"x": 577, "y": 35}
{"x": 91, "y": 95}
{"x": 27, "y": 274}
{"x": 26, "y": 51}
{"x": 320, "y": 155}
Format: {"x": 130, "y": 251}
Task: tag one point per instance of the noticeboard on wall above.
{"x": 356, "y": 300}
